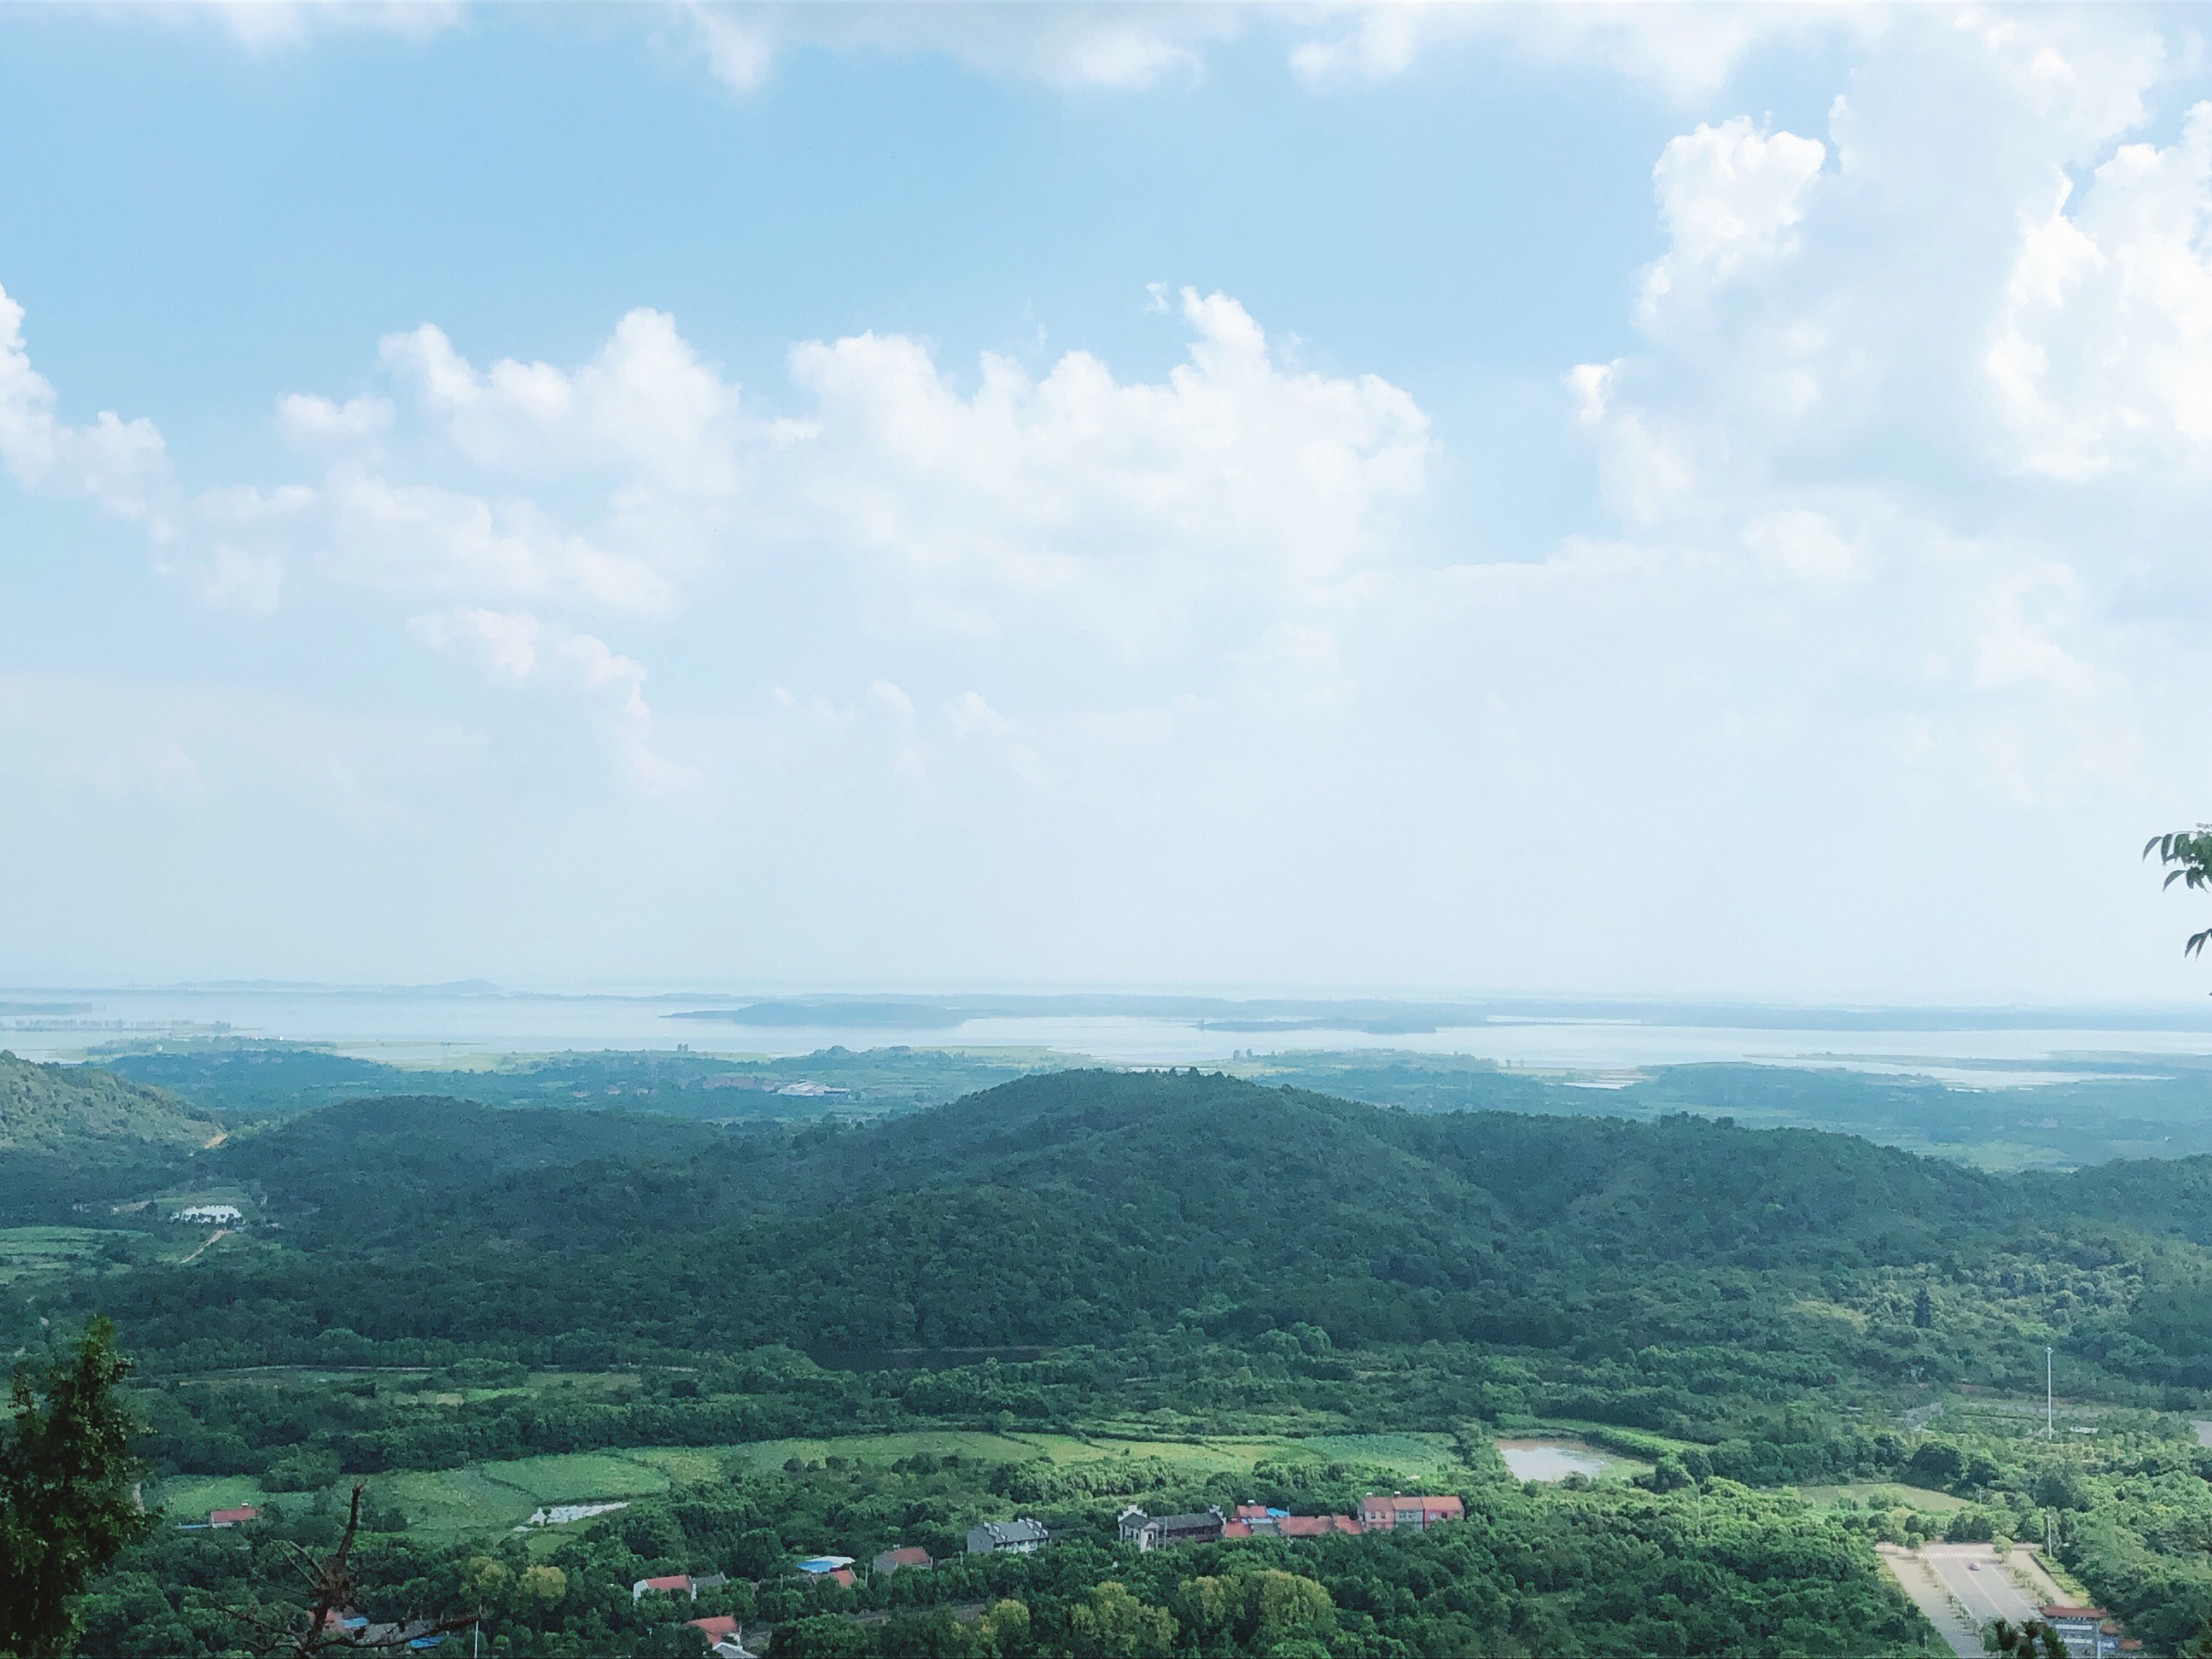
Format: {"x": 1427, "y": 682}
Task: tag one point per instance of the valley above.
{"x": 719, "y": 1346}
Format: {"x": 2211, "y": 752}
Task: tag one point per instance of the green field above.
{"x": 1409, "y": 1457}
{"x": 188, "y": 1497}
{"x": 47, "y": 1250}
{"x": 490, "y": 1496}
{"x": 1883, "y": 1495}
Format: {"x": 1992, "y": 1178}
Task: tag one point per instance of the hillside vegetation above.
{"x": 1088, "y": 1208}
{"x": 1158, "y": 1256}
{"x": 83, "y": 1113}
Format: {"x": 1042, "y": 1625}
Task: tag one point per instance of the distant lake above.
{"x": 446, "y": 1024}
{"x": 1550, "y": 1459}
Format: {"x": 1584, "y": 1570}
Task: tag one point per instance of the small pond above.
{"x": 1553, "y": 1459}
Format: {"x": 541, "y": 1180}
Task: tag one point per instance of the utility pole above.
{"x": 2050, "y": 1415}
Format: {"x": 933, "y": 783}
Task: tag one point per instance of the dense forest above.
{"x": 1096, "y": 1207}
{"x": 1173, "y": 1258}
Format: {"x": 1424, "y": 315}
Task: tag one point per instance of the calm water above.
{"x": 403, "y": 1026}
{"x": 1553, "y": 1459}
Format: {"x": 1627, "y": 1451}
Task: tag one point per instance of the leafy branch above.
{"x": 2188, "y": 852}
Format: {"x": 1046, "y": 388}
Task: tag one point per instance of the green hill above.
{"x": 1082, "y": 1208}
{"x": 76, "y": 1112}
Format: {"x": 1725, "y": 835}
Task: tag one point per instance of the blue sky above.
{"x": 1643, "y": 499}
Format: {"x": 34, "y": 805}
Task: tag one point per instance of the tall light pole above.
{"x": 2050, "y": 1414}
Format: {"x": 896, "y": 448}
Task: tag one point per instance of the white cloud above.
{"x": 1731, "y": 198}
{"x": 1687, "y": 53}
{"x": 423, "y": 538}
{"x": 1108, "y": 514}
{"x": 121, "y": 465}
{"x": 1801, "y": 454}
{"x": 2103, "y": 353}
{"x": 516, "y": 647}
{"x": 310, "y": 420}
{"x": 266, "y": 25}
{"x": 1128, "y": 502}
{"x": 645, "y": 404}
{"x": 1074, "y": 48}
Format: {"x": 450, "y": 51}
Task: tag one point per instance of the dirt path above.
{"x": 221, "y": 1232}
{"x": 220, "y": 1135}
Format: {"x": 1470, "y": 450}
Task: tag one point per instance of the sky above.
{"x": 1590, "y": 500}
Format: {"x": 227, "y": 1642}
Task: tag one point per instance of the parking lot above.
{"x": 1962, "y": 1588}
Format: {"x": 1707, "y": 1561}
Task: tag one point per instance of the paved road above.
{"x": 1948, "y": 1581}
{"x": 1971, "y": 1574}
{"x": 1916, "y": 1581}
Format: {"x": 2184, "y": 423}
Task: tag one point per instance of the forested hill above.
{"x": 1087, "y": 1207}
{"x": 81, "y": 1113}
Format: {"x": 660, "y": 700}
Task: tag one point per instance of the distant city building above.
{"x": 912, "y": 1556}
{"x": 1020, "y": 1537}
{"x": 1381, "y": 1512}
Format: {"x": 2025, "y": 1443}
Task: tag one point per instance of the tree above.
{"x": 821, "y": 1636}
{"x": 67, "y": 1505}
{"x": 1115, "y": 1624}
{"x": 1006, "y": 1627}
{"x": 2189, "y": 855}
{"x": 330, "y": 1581}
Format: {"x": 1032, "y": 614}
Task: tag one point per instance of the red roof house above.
{"x": 233, "y": 1517}
{"x": 724, "y": 1624}
{"x": 1314, "y": 1526}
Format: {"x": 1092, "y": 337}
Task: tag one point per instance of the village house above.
{"x": 909, "y": 1555}
{"x": 1257, "y": 1520}
{"x": 1261, "y": 1521}
{"x": 1150, "y": 1532}
{"x": 1316, "y": 1526}
{"x": 677, "y": 1584}
{"x": 238, "y": 1517}
{"x": 210, "y": 1215}
{"x": 836, "y": 1569}
{"x": 1020, "y": 1536}
{"x": 1381, "y": 1512}
{"x": 725, "y": 1636}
